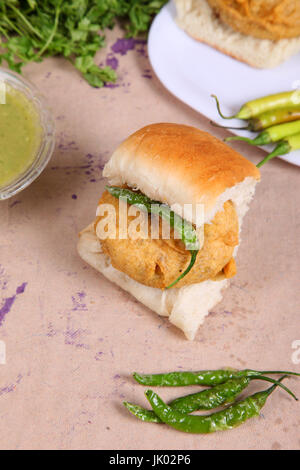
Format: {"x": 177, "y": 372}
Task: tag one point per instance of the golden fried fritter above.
{"x": 158, "y": 262}
{"x": 264, "y": 19}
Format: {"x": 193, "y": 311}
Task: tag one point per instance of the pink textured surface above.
{"x": 73, "y": 339}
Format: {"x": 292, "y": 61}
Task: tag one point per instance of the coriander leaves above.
{"x": 31, "y": 30}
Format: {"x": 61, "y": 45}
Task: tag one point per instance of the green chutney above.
{"x": 20, "y": 135}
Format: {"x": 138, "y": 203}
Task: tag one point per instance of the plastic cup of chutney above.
{"x": 27, "y": 133}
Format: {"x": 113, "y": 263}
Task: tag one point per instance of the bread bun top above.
{"x": 179, "y": 164}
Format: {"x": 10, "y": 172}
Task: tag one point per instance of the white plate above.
{"x": 192, "y": 71}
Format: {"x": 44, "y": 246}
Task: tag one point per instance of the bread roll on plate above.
{"x": 180, "y": 167}
{"x": 208, "y": 25}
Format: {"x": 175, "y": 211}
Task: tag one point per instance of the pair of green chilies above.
{"x": 281, "y": 109}
{"x": 227, "y": 385}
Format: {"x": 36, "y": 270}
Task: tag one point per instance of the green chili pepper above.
{"x": 205, "y": 400}
{"x": 185, "y": 229}
{"x": 273, "y": 134}
{"x": 261, "y": 105}
{"x": 141, "y": 413}
{"x": 231, "y": 417}
{"x": 285, "y": 146}
{"x": 208, "y": 378}
{"x": 268, "y": 119}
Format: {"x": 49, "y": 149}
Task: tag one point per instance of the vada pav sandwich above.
{"x": 262, "y": 33}
{"x": 177, "y": 177}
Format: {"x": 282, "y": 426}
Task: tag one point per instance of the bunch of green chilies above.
{"x": 226, "y": 385}
{"x": 277, "y": 116}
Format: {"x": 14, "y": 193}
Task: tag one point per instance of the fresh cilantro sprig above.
{"x": 31, "y": 30}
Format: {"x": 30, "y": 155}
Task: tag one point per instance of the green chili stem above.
{"x": 281, "y": 149}
{"x": 267, "y": 379}
{"x": 219, "y": 109}
{"x": 229, "y": 127}
{"x": 279, "y": 372}
{"x": 262, "y": 139}
{"x": 192, "y": 262}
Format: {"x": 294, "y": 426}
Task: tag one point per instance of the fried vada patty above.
{"x": 264, "y": 19}
{"x": 158, "y": 262}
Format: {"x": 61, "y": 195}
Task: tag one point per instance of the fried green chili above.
{"x": 285, "y": 146}
{"x": 268, "y": 119}
{"x": 231, "y": 417}
{"x": 273, "y": 134}
{"x": 141, "y": 413}
{"x": 208, "y": 378}
{"x": 205, "y": 400}
{"x": 184, "y": 228}
{"x": 261, "y": 105}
